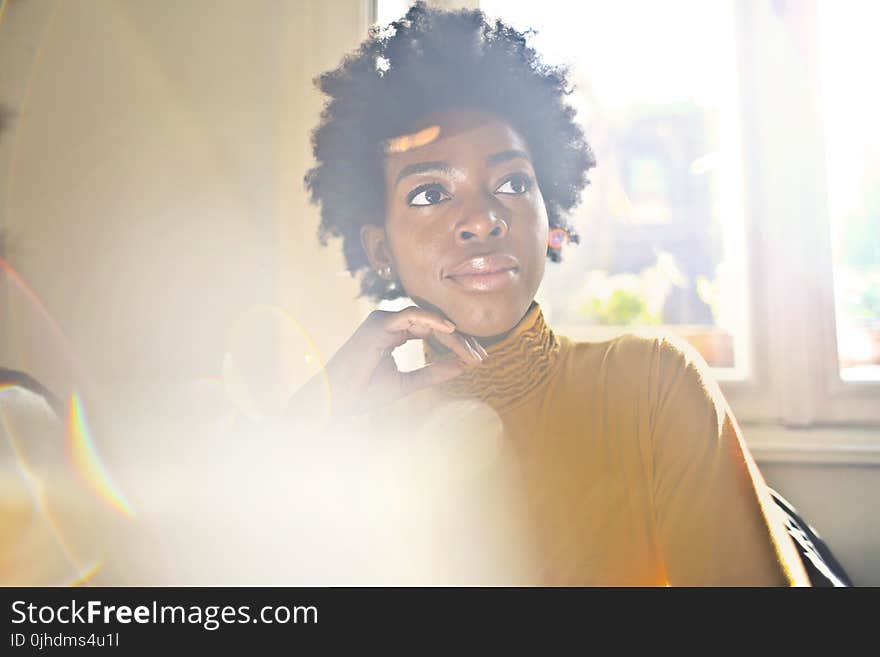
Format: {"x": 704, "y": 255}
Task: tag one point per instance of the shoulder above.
{"x": 622, "y": 348}
{"x": 679, "y": 367}
{"x": 663, "y": 357}
{"x": 686, "y": 401}
{"x": 636, "y": 354}
{"x": 664, "y": 370}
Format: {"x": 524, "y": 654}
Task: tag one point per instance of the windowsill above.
{"x": 774, "y": 443}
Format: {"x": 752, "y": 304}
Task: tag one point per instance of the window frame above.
{"x": 784, "y": 132}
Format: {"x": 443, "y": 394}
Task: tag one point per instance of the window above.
{"x": 852, "y": 147}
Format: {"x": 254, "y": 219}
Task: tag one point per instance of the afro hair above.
{"x": 429, "y": 60}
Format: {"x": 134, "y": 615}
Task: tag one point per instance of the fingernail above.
{"x": 475, "y": 350}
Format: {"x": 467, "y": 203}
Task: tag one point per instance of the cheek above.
{"x": 541, "y": 227}
{"x": 415, "y": 253}
{"x": 541, "y": 213}
{"x": 538, "y": 239}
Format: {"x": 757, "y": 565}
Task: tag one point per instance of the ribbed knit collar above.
{"x": 517, "y": 364}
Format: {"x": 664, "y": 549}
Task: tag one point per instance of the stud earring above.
{"x": 385, "y": 272}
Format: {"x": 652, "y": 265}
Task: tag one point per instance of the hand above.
{"x": 363, "y": 375}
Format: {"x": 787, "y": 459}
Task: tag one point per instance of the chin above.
{"x": 488, "y": 318}
{"x": 483, "y": 315}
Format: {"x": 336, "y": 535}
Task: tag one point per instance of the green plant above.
{"x": 630, "y": 299}
{"x": 622, "y": 308}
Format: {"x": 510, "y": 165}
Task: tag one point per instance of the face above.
{"x": 466, "y": 226}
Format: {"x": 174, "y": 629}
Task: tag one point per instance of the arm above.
{"x": 716, "y": 521}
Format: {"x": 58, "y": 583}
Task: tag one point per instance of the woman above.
{"x": 447, "y": 160}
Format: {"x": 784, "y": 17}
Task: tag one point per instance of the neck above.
{"x": 520, "y": 360}
{"x": 483, "y": 340}
{"x": 492, "y": 339}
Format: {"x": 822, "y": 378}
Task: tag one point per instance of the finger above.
{"x": 479, "y": 347}
{"x": 473, "y": 351}
{"x": 400, "y": 326}
{"x": 413, "y": 316}
{"x": 420, "y": 331}
{"x": 472, "y": 345}
{"x": 433, "y": 374}
{"x": 459, "y": 344}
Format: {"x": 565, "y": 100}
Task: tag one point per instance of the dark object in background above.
{"x": 821, "y": 566}
{"x": 15, "y": 378}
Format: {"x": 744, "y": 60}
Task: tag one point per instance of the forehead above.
{"x": 451, "y": 135}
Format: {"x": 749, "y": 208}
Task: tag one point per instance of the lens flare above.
{"x": 87, "y": 461}
{"x": 45, "y": 539}
{"x": 269, "y": 357}
{"x": 54, "y": 532}
{"x": 86, "y": 577}
{"x": 556, "y": 238}
{"x": 459, "y": 440}
{"x": 442, "y": 499}
{"x": 405, "y": 143}
{"x": 39, "y": 346}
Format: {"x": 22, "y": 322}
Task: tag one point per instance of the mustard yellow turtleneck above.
{"x": 623, "y": 465}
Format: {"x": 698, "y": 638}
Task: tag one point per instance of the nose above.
{"x": 480, "y": 224}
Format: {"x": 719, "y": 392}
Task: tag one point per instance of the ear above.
{"x": 375, "y": 243}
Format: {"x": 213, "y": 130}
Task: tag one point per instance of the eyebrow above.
{"x": 504, "y": 156}
{"x": 422, "y": 167}
{"x": 443, "y": 167}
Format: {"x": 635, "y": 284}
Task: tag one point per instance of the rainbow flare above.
{"x": 86, "y": 577}
{"x": 86, "y": 460}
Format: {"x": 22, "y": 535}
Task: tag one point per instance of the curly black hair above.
{"x": 428, "y": 60}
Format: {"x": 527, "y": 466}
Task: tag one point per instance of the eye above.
{"x": 427, "y": 195}
{"x": 518, "y": 183}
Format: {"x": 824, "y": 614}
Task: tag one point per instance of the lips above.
{"x": 485, "y": 273}
{"x": 491, "y": 263}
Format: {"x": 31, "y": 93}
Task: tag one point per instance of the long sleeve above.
{"x": 716, "y": 522}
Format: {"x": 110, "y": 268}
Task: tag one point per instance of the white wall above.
{"x": 152, "y": 178}
{"x": 840, "y": 502}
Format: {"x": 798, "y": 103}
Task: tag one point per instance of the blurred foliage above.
{"x": 858, "y": 294}
{"x": 709, "y": 293}
{"x": 623, "y": 308}
{"x": 630, "y": 299}
{"x": 717, "y": 293}
{"x": 860, "y": 238}
{"x": 858, "y": 272}
{"x": 870, "y": 300}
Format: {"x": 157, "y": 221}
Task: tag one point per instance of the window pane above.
{"x": 391, "y": 10}
{"x": 852, "y": 105}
